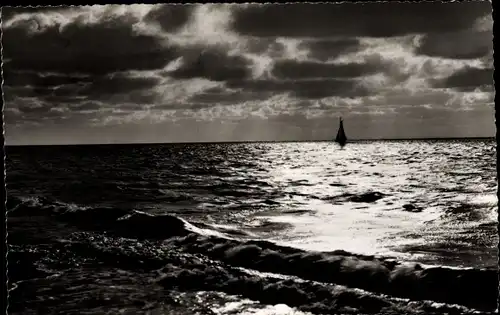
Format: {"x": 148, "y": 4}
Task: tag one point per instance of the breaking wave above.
{"x": 194, "y": 256}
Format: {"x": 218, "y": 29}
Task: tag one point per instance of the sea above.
{"x": 375, "y": 227}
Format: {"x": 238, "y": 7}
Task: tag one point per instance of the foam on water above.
{"x": 193, "y": 258}
{"x": 245, "y": 308}
{"x": 362, "y": 230}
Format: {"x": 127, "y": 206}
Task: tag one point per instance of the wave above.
{"x": 175, "y": 271}
{"x": 476, "y": 288}
{"x": 367, "y": 197}
{"x": 472, "y": 288}
{"x": 305, "y": 296}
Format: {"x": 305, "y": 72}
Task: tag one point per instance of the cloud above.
{"x": 325, "y": 49}
{"x": 207, "y": 26}
{"x": 9, "y": 12}
{"x": 172, "y": 90}
{"x": 82, "y": 45}
{"x": 61, "y": 88}
{"x": 83, "y": 55}
{"x": 402, "y": 68}
{"x": 291, "y": 69}
{"x": 397, "y": 98}
{"x": 118, "y": 84}
{"x": 88, "y": 106}
{"x": 310, "y": 88}
{"x": 213, "y": 65}
{"x": 223, "y": 96}
{"x": 467, "y": 79}
{"x": 23, "y": 78}
{"x": 33, "y": 106}
{"x": 170, "y": 17}
{"x": 272, "y": 47}
{"x": 381, "y": 19}
{"x": 452, "y": 45}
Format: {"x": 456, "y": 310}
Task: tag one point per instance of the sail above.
{"x": 341, "y": 137}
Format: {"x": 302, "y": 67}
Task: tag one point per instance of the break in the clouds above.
{"x": 154, "y": 73}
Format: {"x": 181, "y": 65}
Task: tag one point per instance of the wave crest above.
{"x": 474, "y": 288}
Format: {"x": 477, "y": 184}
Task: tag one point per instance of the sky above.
{"x": 247, "y": 72}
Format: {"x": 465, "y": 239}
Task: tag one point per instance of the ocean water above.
{"x": 377, "y": 227}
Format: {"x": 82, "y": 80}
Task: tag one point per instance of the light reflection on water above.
{"x": 435, "y": 176}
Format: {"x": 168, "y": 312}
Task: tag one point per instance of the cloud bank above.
{"x": 154, "y": 73}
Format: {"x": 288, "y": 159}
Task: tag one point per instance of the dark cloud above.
{"x": 220, "y": 96}
{"x": 79, "y": 47}
{"x": 171, "y": 17}
{"x": 15, "y": 119}
{"x": 467, "y": 79}
{"x": 12, "y": 93}
{"x": 118, "y": 85}
{"x": 56, "y": 99}
{"x": 11, "y": 115}
{"x": 137, "y": 96}
{"x": 39, "y": 111}
{"x": 14, "y": 78}
{"x": 36, "y": 108}
{"x": 270, "y": 46}
{"x": 131, "y": 107}
{"x": 33, "y": 109}
{"x": 87, "y": 106}
{"x": 380, "y": 19}
{"x": 62, "y": 78}
{"x": 460, "y": 45}
{"x": 214, "y": 65}
{"x": 310, "y": 89}
{"x": 60, "y": 88}
{"x": 182, "y": 106}
{"x": 324, "y": 49}
{"x": 293, "y": 69}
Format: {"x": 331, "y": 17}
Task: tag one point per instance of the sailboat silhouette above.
{"x": 341, "y": 138}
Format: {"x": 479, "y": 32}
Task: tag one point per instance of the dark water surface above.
{"x": 276, "y": 228}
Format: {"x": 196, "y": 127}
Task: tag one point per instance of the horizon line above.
{"x": 251, "y": 141}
